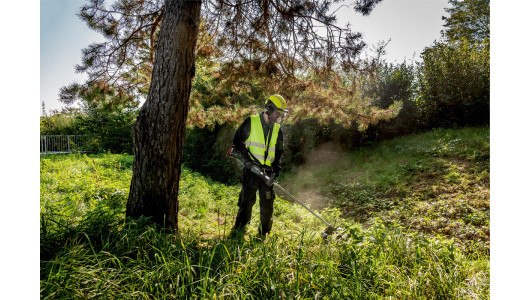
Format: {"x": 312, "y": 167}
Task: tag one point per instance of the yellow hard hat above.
{"x": 276, "y": 102}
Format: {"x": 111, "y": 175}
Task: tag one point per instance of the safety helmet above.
{"x": 276, "y": 102}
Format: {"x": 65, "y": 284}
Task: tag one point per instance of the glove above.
{"x": 276, "y": 171}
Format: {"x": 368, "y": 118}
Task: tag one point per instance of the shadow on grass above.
{"x": 104, "y": 228}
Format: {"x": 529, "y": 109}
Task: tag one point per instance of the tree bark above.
{"x": 159, "y": 130}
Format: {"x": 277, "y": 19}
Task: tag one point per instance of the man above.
{"x": 259, "y": 141}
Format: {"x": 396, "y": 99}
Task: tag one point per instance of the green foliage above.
{"x": 205, "y": 152}
{"x": 111, "y": 129}
{"x": 306, "y": 135}
{"x": 240, "y": 62}
{"x": 454, "y": 84}
{"x": 385, "y": 85}
{"x": 60, "y": 123}
{"x": 394, "y": 83}
{"x": 303, "y": 136}
{"x": 468, "y": 20}
{"x": 89, "y": 250}
{"x": 453, "y": 80}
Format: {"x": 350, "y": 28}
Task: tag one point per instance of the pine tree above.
{"x": 279, "y": 38}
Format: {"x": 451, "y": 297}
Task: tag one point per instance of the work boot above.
{"x": 236, "y": 233}
{"x": 265, "y": 228}
{"x": 260, "y": 237}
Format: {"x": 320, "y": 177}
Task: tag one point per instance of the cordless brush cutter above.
{"x": 330, "y": 229}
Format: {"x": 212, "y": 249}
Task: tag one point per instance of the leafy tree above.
{"x": 276, "y": 38}
{"x": 119, "y": 69}
{"x": 62, "y": 122}
{"x": 454, "y": 76}
{"x": 111, "y": 129}
{"x": 468, "y": 20}
{"x": 394, "y": 83}
{"x": 237, "y": 61}
{"x": 453, "y": 84}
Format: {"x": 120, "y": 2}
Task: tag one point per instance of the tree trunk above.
{"x": 159, "y": 130}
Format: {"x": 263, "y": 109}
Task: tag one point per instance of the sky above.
{"x": 62, "y": 37}
{"x": 411, "y": 25}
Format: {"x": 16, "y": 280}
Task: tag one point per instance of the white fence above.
{"x": 55, "y": 144}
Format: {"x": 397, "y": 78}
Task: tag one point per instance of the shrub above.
{"x": 60, "y": 123}
{"x": 111, "y": 129}
{"x": 205, "y": 152}
{"x": 394, "y": 83}
{"x": 453, "y": 84}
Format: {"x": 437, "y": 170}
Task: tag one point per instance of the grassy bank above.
{"x": 87, "y": 250}
{"x": 436, "y": 183}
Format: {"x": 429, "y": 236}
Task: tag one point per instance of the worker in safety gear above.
{"x": 259, "y": 141}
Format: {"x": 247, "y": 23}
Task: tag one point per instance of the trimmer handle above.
{"x": 269, "y": 180}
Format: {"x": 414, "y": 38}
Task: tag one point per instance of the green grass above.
{"x": 88, "y": 250}
{"x": 436, "y": 183}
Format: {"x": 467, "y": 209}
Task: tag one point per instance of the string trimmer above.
{"x": 257, "y": 170}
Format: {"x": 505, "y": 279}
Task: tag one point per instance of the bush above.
{"x": 60, "y": 123}
{"x": 205, "y": 152}
{"x": 111, "y": 129}
{"x": 394, "y": 83}
{"x": 453, "y": 84}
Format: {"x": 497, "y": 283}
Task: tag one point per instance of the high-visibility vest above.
{"x": 257, "y": 143}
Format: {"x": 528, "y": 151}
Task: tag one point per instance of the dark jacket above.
{"x": 242, "y": 134}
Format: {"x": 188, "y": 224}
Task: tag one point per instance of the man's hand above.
{"x": 276, "y": 171}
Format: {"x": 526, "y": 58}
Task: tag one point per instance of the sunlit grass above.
{"x": 446, "y": 170}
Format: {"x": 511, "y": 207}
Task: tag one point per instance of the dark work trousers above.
{"x": 247, "y": 198}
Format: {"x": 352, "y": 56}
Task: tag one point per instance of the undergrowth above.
{"x": 89, "y": 250}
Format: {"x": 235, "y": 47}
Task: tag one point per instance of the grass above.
{"x": 88, "y": 250}
{"x": 436, "y": 183}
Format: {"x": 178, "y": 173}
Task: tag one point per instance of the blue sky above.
{"x": 410, "y": 24}
{"x": 62, "y": 37}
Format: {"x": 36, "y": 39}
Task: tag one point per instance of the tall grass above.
{"x": 88, "y": 250}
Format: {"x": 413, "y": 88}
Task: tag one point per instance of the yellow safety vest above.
{"x": 257, "y": 143}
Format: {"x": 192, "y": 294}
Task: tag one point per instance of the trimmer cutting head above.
{"x": 330, "y": 230}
